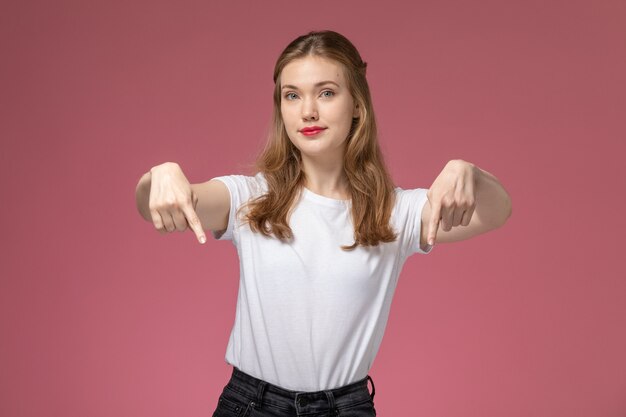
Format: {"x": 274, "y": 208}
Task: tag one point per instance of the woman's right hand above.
{"x": 172, "y": 201}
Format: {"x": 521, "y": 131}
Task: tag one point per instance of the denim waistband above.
{"x": 262, "y": 392}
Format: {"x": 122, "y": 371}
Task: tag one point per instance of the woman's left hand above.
{"x": 452, "y": 197}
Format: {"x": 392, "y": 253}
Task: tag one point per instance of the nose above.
{"x": 309, "y": 110}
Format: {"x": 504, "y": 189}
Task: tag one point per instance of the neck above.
{"x": 326, "y": 178}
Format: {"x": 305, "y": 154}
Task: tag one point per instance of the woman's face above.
{"x": 306, "y": 102}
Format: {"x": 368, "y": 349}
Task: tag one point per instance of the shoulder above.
{"x": 244, "y": 184}
{"x": 410, "y": 208}
{"x": 407, "y": 200}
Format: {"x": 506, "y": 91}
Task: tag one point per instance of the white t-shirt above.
{"x": 311, "y": 316}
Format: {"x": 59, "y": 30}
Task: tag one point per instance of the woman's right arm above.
{"x": 165, "y": 198}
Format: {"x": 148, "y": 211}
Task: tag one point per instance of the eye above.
{"x": 329, "y": 91}
{"x": 289, "y": 94}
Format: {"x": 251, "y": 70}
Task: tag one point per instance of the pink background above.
{"x": 102, "y": 316}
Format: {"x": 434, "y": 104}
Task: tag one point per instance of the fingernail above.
{"x": 430, "y": 242}
{"x": 202, "y": 239}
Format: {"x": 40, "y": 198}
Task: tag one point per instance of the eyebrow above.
{"x": 316, "y": 85}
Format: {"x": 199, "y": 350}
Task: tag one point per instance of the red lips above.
{"x": 311, "y": 129}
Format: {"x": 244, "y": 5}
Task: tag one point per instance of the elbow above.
{"x": 509, "y": 205}
{"x": 508, "y": 210}
{"x": 502, "y": 215}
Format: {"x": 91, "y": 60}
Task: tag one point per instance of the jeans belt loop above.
{"x": 373, "y": 387}
{"x": 260, "y": 391}
{"x": 331, "y": 401}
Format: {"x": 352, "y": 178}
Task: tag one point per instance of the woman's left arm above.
{"x": 463, "y": 195}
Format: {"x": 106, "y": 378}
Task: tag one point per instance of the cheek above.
{"x": 343, "y": 119}
{"x": 342, "y": 113}
{"x": 287, "y": 117}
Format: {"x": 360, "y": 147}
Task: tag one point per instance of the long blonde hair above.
{"x": 370, "y": 186}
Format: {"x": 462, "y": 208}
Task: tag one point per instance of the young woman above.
{"x": 321, "y": 233}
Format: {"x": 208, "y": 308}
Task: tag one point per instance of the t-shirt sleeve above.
{"x": 409, "y": 219}
{"x": 241, "y": 189}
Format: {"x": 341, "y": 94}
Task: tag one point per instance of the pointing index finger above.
{"x": 435, "y": 216}
{"x": 194, "y": 223}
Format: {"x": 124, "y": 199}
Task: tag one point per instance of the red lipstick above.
{"x": 311, "y": 130}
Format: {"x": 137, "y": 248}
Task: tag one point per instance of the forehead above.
{"x": 307, "y": 71}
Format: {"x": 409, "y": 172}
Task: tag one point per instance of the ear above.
{"x": 356, "y": 113}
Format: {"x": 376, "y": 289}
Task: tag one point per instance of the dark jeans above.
{"x": 247, "y": 396}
